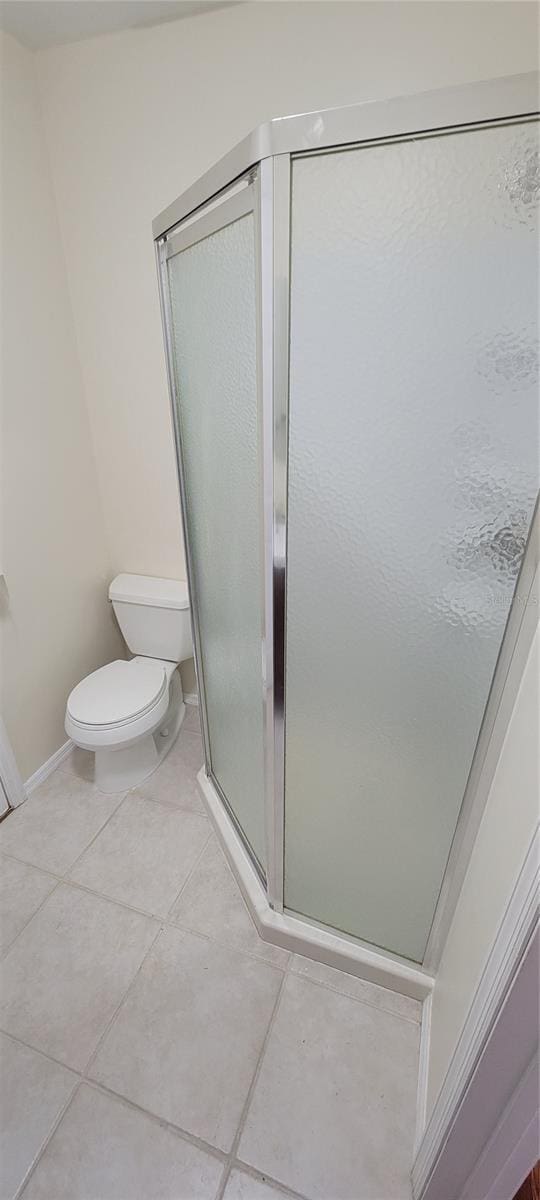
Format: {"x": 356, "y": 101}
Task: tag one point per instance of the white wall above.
{"x": 132, "y": 119}
{"x": 55, "y": 621}
{"x": 504, "y": 836}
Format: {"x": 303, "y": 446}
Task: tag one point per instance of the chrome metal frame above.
{"x": 228, "y": 211}
{"x": 166, "y": 316}
{"x": 264, "y": 158}
{"x": 263, "y": 267}
{"x": 167, "y": 246}
{"x": 231, "y": 208}
{"x": 274, "y": 243}
{"x": 495, "y": 99}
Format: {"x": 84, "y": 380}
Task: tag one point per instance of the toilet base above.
{"x": 119, "y": 770}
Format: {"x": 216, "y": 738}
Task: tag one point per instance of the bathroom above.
{"x": 223, "y": 974}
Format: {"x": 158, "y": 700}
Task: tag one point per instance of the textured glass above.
{"x": 412, "y": 477}
{"x": 212, "y": 288}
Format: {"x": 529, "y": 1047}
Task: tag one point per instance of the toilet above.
{"x": 129, "y": 712}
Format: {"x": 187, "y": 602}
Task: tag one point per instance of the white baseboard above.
{"x": 423, "y": 1072}
{"x": 59, "y": 755}
{"x": 513, "y": 937}
{"x": 48, "y": 767}
{"x": 292, "y": 933}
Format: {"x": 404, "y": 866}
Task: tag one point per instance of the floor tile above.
{"x": 359, "y": 989}
{"x": 68, "y": 970}
{"x": 242, "y": 1186}
{"x": 211, "y": 903}
{"x": 80, "y": 763}
{"x": 175, "y": 781}
{"x": 333, "y": 1110}
{"x": 104, "y": 1150}
{"x": 34, "y": 1091}
{"x": 186, "y": 1042}
{"x": 57, "y": 822}
{"x": 22, "y": 890}
{"x": 144, "y": 854}
{"x": 192, "y": 719}
{"x": 189, "y": 747}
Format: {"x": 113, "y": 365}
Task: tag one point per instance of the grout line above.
{"x": 46, "y": 1140}
{"x": 57, "y": 875}
{"x": 230, "y": 1159}
{"x": 120, "y": 1004}
{"x": 187, "y": 879}
{"x": 155, "y": 918}
{"x": 359, "y": 999}
{"x": 100, "y": 830}
{"x": 264, "y": 1177}
{"x": 140, "y": 912}
{"x": 166, "y": 921}
{"x": 7, "y": 948}
{"x": 81, "y": 1077}
{"x": 82, "y": 887}
{"x": 42, "y": 870}
{"x": 163, "y": 1122}
{"x": 251, "y": 1089}
{"x": 172, "y": 807}
{"x": 219, "y": 941}
{"x": 43, "y": 1053}
{"x": 25, "y": 863}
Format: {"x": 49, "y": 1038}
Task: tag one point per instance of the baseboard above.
{"x": 191, "y": 698}
{"x": 512, "y": 939}
{"x": 48, "y": 767}
{"x": 292, "y": 933}
{"x": 423, "y": 1072}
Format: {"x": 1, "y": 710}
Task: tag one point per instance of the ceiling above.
{"x": 41, "y": 23}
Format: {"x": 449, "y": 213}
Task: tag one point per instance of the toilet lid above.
{"x": 118, "y": 692}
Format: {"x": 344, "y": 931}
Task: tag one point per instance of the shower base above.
{"x": 300, "y": 935}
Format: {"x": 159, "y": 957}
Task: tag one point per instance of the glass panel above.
{"x": 212, "y": 288}
{"x": 412, "y": 478}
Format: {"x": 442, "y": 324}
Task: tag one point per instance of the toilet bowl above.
{"x": 129, "y": 712}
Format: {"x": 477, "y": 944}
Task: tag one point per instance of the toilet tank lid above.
{"x": 146, "y": 589}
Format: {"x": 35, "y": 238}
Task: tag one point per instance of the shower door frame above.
{"x": 265, "y": 158}
{"x": 236, "y": 202}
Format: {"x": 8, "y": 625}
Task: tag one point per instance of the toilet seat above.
{"x": 118, "y": 694}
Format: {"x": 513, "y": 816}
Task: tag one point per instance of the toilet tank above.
{"x": 153, "y": 615}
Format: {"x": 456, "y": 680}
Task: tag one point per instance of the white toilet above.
{"x": 129, "y": 713}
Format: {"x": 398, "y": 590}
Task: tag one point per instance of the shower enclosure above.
{"x": 350, "y": 303}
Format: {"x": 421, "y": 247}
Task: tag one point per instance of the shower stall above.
{"x": 350, "y": 305}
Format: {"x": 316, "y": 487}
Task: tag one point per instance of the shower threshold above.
{"x": 300, "y": 935}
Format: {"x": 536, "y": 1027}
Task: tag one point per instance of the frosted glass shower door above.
{"x": 413, "y": 445}
{"x": 212, "y": 299}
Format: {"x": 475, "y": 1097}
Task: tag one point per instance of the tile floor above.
{"x": 152, "y": 1047}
